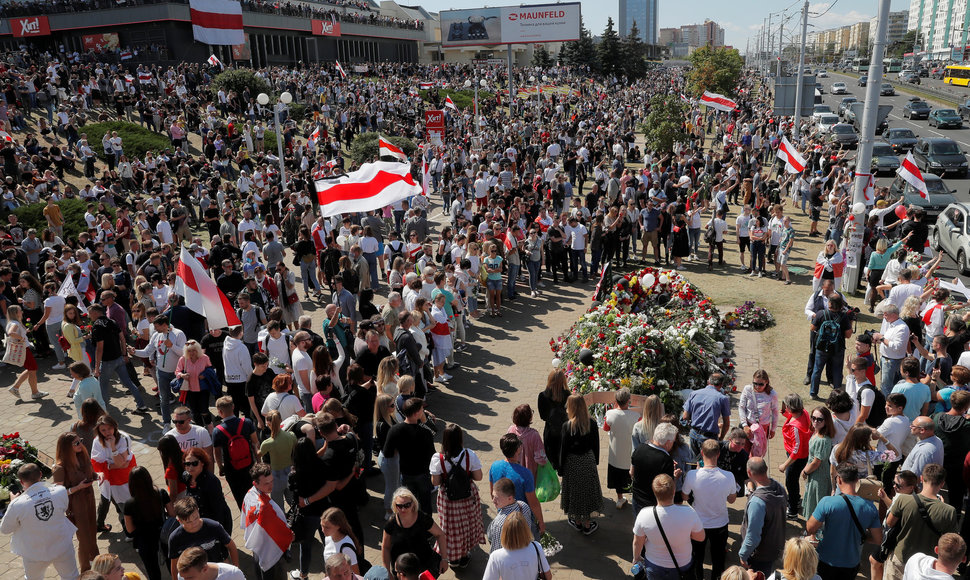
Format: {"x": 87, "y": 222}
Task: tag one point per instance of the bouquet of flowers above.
{"x": 550, "y": 545}
{"x": 655, "y": 334}
{"x": 753, "y": 317}
{"x": 14, "y": 452}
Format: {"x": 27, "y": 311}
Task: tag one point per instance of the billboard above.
{"x": 30, "y": 26}
{"x": 101, "y": 42}
{"x": 510, "y": 24}
{"x": 434, "y": 122}
{"x": 242, "y": 51}
{"x": 325, "y": 28}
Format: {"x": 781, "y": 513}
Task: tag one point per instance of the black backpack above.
{"x": 458, "y": 482}
{"x": 877, "y": 413}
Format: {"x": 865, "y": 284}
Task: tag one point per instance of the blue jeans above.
{"x": 577, "y": 258}
{"x": 391, "y": 468}
{"x": 834, "y": 360}
{"x": 595, "y": 258}
{"x": 655, "y": 572}
{"x": 375, "y": 279}
{"x": 52, "y": 331}
{"x": 513, "y": 275}
{"x": 280, "y": 488}
{"x": 534, "y": 267}
{"x": 890, "y": 374}
{"x": 164, "y": 393}
{"x": 695, "y": 238}
{"x": 118, "y": 367}
{"x": 308, "y": 272}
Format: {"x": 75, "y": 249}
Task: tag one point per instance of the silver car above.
{"x": 952, "y": 234}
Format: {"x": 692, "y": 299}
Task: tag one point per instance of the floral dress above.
{"x": 818, "y": 484}
{"x": 759, "y": 412}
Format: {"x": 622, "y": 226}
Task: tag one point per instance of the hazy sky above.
{"x": 741, "y": 19}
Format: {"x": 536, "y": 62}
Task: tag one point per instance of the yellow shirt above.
{"x": 53, "y": 215}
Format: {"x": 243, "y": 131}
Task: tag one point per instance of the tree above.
{"x": 633, "y": 51}
{"x": 904, "y": 45}
{"x": 664, "y": 124}
{"x": 238, "y": 80}
{"x": 715, "y": 69}
{"x": 582, "y": 52}
{"x": 364, "y": 146}
{"x": 541, "y": 57}
{"x": 609, "y": 51}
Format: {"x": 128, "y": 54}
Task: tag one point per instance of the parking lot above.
{"x": 920, "y": 127}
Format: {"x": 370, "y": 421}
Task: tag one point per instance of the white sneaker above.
{"x": 533, "y": 294}
{"x": 620, "y": 503}
{"x": 446, "y": 377}
{"x": 39, "y": 395}
{"x": 441, "y": 379}
{"x": 59, "y": 367}
{"x": 14, "y": 391}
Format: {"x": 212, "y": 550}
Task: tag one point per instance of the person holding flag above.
{"x": 267, "y": 534}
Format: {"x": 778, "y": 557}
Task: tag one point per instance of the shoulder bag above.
{"x": 540, "y": 575}
{"x": 686, "y": 574}
{"x": 869, "y": 486}
{"x": 923, "y": 513}
{"x": 855, "y": 519}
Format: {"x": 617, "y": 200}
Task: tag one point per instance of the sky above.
{"x": 741, "y": 19}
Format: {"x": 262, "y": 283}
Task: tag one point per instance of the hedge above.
{"x": 73, "y": 210}
{"x": 238, "y": 80}
{"x": 136, "y": 140}
{"x": 364, "y": 146}
{"x": 463, "y": 99}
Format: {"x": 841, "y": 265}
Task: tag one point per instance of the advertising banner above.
{"x": 101, "y": 42}
{"x": 510, "y": 24}
{"x": 30, "y": 26}
{"x": 325, "y": 28}
{"x": 242, "y": 51}
{"x": 434, "y": 123}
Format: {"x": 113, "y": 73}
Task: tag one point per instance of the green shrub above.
{"x": 364, "y": 146}
{"x": 462, "y": 99}
{"x": 298, "y": 111}
{"x": 239, "y": 80}
{"x": 135, "y": 139}
{"x": 32, "y": 216}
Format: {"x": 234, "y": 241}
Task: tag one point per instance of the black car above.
{"x": 863, "y": 80}
{"x": 884, "y": 159}
{"x": 940, "y": 195}
{"x": 945, "y": 119}
{"x": 900, "y": 139}
{"x": 843, "y": 134}
{"x": 886, "y": 90}
{"x": 964, "y": 109}
{"x": 916, "y": 109}
{"x": 939, "y": 156}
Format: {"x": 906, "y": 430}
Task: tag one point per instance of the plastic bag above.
{"x": 547, "y": 483}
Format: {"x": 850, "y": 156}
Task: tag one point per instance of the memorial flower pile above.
{"x": 750, "y": 316}
{"x": 656, "y": 333}
{"x": 14, "y": 452}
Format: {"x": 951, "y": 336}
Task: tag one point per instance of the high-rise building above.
{"x": 859, "y": 37}
{"x": 668, "y": 36}
{"x": 942, "y": 26}
{"x": 646, "y": 14}
{"x": 895, "y": 30}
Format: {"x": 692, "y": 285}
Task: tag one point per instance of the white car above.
{"x": 823, "y": 74}
{"x": 840, "y": 89}
{"x": 826, "y": 121}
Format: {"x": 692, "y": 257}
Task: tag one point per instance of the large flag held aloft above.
{"x": 201, "y": 294}
{"x": 371, "y": 187}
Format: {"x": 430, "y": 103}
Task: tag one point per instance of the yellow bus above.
{"x": 957, "y": 75}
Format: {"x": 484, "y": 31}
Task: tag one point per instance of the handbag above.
{"x": 16, "y": 353}
{"x": 292, "y": 298}
{"x": 65, "y": 345}
{"x": 869, "y": 486}
{"x": 687, "y": 574}
{"x": 540, "y": 575}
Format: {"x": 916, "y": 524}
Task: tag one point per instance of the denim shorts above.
{"x": 494, "y": 284}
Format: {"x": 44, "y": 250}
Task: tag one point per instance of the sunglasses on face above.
{"x": 180, "y": 421}
{"x": 404, "y": 506}
{"x": 192, "y": 463}
{"x": 818, "y": 419}
{"x": 759, "y": 384}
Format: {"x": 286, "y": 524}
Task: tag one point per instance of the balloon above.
{"x": 859, "y": 207}
{"x": 617, "y": 278}
{"x": 851, "y": 218}
{"x": 647, "y": 280}
{"x": 586, "y": 357}
{"x": 555, "y": 363}
{"x": 900, "y": 212}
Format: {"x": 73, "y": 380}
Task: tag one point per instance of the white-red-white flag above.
{"x": 217, "y": 22}
{"x": 450, "y": 103}
{"x": 425, "y": 177}
{"x": 371, "y": 187}
{"x": 794, "y": 162}
{"x": 425, "y": 86}
{"x": 68, "y": 289}
{"x": 912, "y": 175}
{"x": 340, "y": 69}
{"x": 126, "y": 55}
{"x": 214, "y": 61}
{"x": 388, "y": 149}
{"x": 684, "y": 98}
{"x": 267, "y": 534}
{"x": 870, "y": 190}
{"x": 129, "y": 79}
{"x": 315, "y": 136}
{"x": 510, "y": 239}
{"x": 6, "y": 137}
{"x": 144, "y": 77}
{"x": 719, "y": 102}
{"x": 201, "y": 294}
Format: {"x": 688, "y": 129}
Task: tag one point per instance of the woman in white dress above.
{"x": 286, "y": 282}
{"x": 113, "y": 460}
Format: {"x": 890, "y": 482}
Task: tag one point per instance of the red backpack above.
{"x": 240, "y": 455}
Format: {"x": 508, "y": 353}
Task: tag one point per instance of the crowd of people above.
{"x": 295, "y": 415}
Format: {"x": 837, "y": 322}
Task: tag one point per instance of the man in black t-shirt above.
{"x": 413, "y": 444}
{"x": 196, "y": 531}
{"x": 831, "y": 353}
{"x": 341, "y": 458}
{"x": 212, "y": 343}
{"x": 259, "y": 386}
{"x": 236, "y": 471}
{"x": 370, "y": 358}
{"x": 111, "y": 356}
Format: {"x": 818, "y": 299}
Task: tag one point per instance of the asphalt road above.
{"x": 921, "y": 128}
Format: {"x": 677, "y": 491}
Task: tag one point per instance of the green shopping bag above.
{"x": 547, "y": 483}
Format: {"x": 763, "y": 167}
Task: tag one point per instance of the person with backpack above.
{"x": 869, "y": 402}
{"x": 832, "y": 327}
{"x": 234, "y": 442}
{"x": 455, "y": 470}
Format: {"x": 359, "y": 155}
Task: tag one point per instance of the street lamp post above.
{"x": 483, "y": 83}
{"x": 285, "y": 99}
{"x": 535, "y": 81}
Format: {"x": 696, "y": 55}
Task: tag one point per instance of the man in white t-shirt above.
{"x": 188, "y": 434}
{"x": 578, "y": 236}
{"x": 713, "y": 489}
{"x": 303, "y": 366}
{"x": 951, "y": 551}
{"x": 193, "y": 564}
{"x": 53, "y": 316}
{"x": 855, "y": 386}
{"x": 619, "y": 424}
{"x": 680, "y": 524}
{"x": 164, "y": 228}
{"x": 282, "y": 400}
